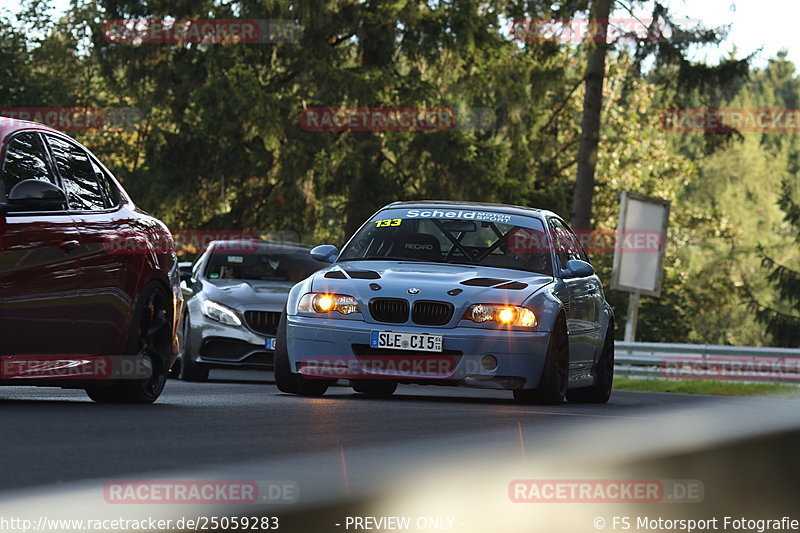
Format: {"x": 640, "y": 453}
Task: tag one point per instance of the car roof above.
{"x": 500, "y": 208}
{"x": 11, "y": 125}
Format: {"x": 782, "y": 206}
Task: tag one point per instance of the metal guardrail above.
{"x": 674, "y": 361}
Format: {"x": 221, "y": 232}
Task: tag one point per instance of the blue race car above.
{"x": 451, "y": 293}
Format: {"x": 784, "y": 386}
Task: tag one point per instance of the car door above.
{"x": 108, "y": 275}
{"x": 39, "y": 270}
{"x": 595, "y": 293}
{"x": 582, "y": 314}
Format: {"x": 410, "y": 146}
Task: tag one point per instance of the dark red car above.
{"x": 89, "y": 284}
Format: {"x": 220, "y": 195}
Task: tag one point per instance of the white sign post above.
{"x": 639, "y": 251}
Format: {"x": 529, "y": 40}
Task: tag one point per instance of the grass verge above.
{"x": 719, "y": 388}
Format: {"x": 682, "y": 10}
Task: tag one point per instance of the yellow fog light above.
{"x": 488, "y": 362}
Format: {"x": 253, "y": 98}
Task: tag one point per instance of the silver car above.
{"x": 234, "y": 297}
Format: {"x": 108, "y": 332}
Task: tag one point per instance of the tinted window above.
{"x": 24, "y": 160}
{"x": 566, "y": 244}
{"x": 84, "y": 192}
{"x": 109, "y": 190}
{"x": 262, "y": 263}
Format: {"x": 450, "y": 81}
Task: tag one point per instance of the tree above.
{"x": 782, "y": 321}
{"x": 666, "y": 42}
{"x": 590, "y": 123}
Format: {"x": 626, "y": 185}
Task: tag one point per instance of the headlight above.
{"x": 220, "y": 313}
{"x": 505, "y": 315}
{"x": 325, "y": 303}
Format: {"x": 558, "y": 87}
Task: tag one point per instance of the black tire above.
{"x": 189, "y": 369}
{"x": 175, "y": 369}
{"x": 600, "y": 392}
{"x": 285, "y": 380}
{"x": 151, "y": 337}
{"x": 374, "y": 387}
{"x": 553, "y": 384}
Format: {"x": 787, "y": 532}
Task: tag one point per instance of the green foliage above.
{"x": 717, "y": 388}
{"x": 782, "y": 318}
{"x": 220, "y": 144}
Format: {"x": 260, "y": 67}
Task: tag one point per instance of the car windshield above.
{"x": 241, "y": 263}
{"x": 453, "y": 236}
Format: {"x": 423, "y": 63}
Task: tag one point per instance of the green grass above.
{"x": 719, "y": 388}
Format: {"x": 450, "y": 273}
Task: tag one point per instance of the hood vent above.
{"x": 363, "y": 274}
{"x": 496, "y": 283}
{"x": 484, "y": 282}
{"x": 512, "y": 286}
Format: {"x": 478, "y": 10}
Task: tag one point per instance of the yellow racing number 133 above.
{"x": 388, "y": 222}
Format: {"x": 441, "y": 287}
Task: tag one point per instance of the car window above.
{"x": 196, "y": 266}
{"x": 240, "y": 263}
{"x": 107, "y": 187}
{"x": 566, "y": 245}
{"x": 84, "y": 191}
{"x": 25, "y": 160}
{"x": 438, "y": 236}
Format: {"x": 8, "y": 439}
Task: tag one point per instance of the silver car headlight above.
{"x": 220, "y": 313}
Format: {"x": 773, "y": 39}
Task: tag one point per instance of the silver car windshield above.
{"x": 259, "y": 266}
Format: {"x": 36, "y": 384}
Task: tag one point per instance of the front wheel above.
{"x": 553, "y": 382}
{"x": 189, "y": 369}
{"x": 151, "y": 339}
{"x": 285, "y": 380}
{"x": 600, "y": 392}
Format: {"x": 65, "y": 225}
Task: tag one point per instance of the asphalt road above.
{"x": 53, "y": 436}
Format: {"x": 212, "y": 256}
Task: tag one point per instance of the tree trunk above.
{"x": 367, "y": 189}
{"x": 590, "y": 122}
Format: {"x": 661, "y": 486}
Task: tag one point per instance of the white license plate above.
{"x": 271, "y": 343}
{"x": 419, "y": 342}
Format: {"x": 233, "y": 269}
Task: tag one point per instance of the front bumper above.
{"x": 338, "y": 348}
{"x": 216, "y": 344}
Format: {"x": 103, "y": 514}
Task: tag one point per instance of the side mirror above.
{"x": 186, "y": 290}
{"x": 35, "y": 195}
{"x": 578, "y": 269}
{"x": 325, "y": 253}
{"x": 185, "y": 270}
